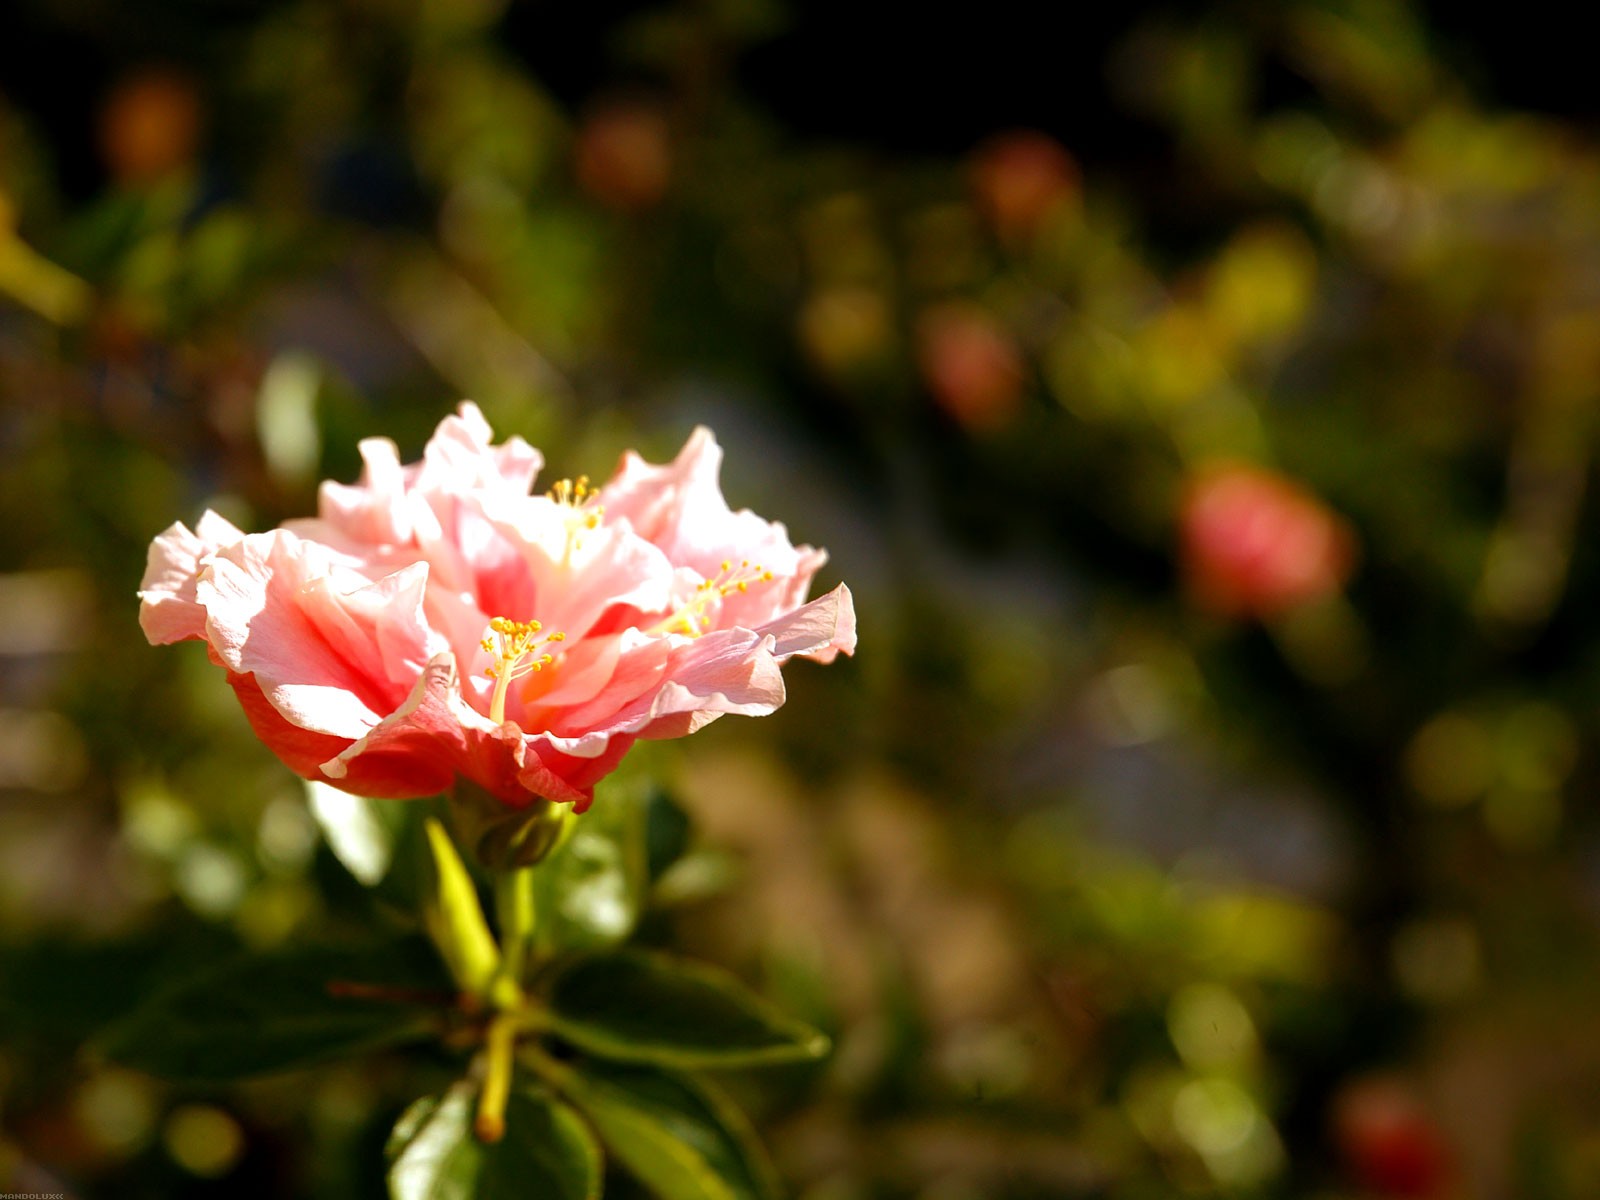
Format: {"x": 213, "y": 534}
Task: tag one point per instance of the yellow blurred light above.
{"x": 203, "y": 1140}
{"x": 845, "y": 329}
{"x": 211, "y": 880}
{"x": 1261, "y": 286}
{"x": 286, "y": 836}
{"x": 1210, "y": 1027}
{"x": 1129, "y": 705}
{"x": 118, "y": 1110}
{"x": 1522, "y": 820}
{"x": 286, "y": 416}
{"x": 1324, "y": 641}
{"x": 269, "y": 913}
{"x": 1537, "y": 747}
{"x": 1265, "y": 936}
{"x": 1090, "y": 370}
{"x": 1449, "y": 761}
{"x": 1224, "y": 1125}
{"x": 156, "y": 821}
{"x": 1179, "y": 357}
{"x": 1213, "y": 1115}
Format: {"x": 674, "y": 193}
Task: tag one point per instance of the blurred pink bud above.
{"x": 623, "y": 156}
{"x": 1022, "y": 177}
{"x": 1254, "y": 543}
{"x": 436, "y": 620}
{"x": 971, "y": 365}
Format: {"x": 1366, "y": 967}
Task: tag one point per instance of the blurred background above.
{"x": 1201, "y": 405}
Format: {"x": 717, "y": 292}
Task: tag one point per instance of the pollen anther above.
{"x": 578, "y": 495}
{"x": 516, "y": 649}
{"x": 692, "y": 618}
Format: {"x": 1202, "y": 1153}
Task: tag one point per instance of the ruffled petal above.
{"x": 168, "y": 609}
{"x": 329, "y": 660}
{"x": 821, "y": 630}
{"x": 302, "y": 750}
{"x": 418, "y": 749}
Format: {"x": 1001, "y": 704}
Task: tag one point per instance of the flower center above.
{"x": 575, "y": 497}
{"x": 516, "y": 647}
{"x": 693, "y": 617}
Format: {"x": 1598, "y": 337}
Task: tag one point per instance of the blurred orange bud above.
{"x": 971, "y": 365}
{"x": 149, "y": 125}
{"x": 1021, "y": 178}
{"x": 1254, "y": 543}
{"x": 623, "y": 156}
{"x": 1389, "y": 1143}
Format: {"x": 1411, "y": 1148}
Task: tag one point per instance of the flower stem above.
{"x": 518, "y": 914}
{"x": 499, "y": 1043}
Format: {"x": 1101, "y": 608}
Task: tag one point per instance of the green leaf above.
{"x": 589, "y": 891}
{"x": 547, "y": 1151}
{"x": 256, "y": 1015}
{"x": 676, "y": 1134}
{"x": 363, "y": 834}
{"x": 642, "y": 1007}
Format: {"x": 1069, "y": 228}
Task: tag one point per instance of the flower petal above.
{"x": 331, "y": 661}
{"x": 418, "y": 749}
{"x": 820, "y": 630}
{"x": 168, "y": 609}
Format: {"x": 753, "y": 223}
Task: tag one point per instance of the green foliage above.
{"x": 547, "y": 1151}
{"x": 675, "y": 1133}
{"x": 590, "y": 891}
{"x": 649, "y": 1008}
{"x": 257, "y": 1015}
{"x": 302, "y": 1006}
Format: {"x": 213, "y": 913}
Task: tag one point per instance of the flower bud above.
{"x": 149, "y": 126}
{"x": 503, "y": 838}
{"x": 971, "y": 365}
{"x": 1254, "y": 543}
{"x": 623, "y": 156}
{"x": 1389, "y": 1142}
{"x": 1022, "y": 178}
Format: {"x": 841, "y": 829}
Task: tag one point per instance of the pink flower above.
{"x": 436, "y": 620}
{"x": 1257, "y": 544}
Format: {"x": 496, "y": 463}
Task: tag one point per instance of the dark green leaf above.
{"x": 666, "y": 831}
{"x": 547, "y": 1151}
{"x": 675, "y": 1133}
{"x": 255, "y": 1015}
{"x": 642, "y": 1007}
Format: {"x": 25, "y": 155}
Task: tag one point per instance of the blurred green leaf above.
{"x": 362, "y": 833}
{"x": 677, "y": 1134}
{"x": 643, "y": 1007}
{"x": 257, "y": 1015}
{"x": 666, "y": 831}
{"x": 547, "y": 1151}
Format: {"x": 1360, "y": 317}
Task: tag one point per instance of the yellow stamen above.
{"x": 692, "y": 617}
{"x": 513, "y": 644}
{"x": 578, "y": 495}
